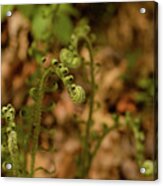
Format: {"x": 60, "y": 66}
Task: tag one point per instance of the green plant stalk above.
{"x": 26, "y": 142}
{"x": 98, "y": 144}
{"x": 25, "y": 150}
{"x": 86, "y": 146}
{"x": 87, "y": 155}
{"x": 91, "y": 105}
{"x": 37, "y": 119}
{"x": 13, "y": 149}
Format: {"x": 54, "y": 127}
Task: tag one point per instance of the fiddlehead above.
{"x": 11, "y": 147}
{"x": 70, "y": 57}
{"x": 37, "y": 114}
{"x": 77, "y": 94}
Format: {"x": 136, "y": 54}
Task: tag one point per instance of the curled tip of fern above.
{"x": 70, "y": 58}
{"x": 66, "y": 56}
{"x": 77, "y": 93}
{"x": 8, "y": 113}
{"x": 149, "y": 167}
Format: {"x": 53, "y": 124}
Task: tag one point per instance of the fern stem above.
{"x": 86, "y": 151}
{"x": 37, "y": 119}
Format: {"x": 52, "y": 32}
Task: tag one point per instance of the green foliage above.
{"x": 135, "y": 126}
{"x": 47, "y": 25}
{"x": 60, "y": 23}
{"x": 143, "y": 83}
{"x": 49, "y": 20}
{"x": 146, "y": 91}
{"x": 41, "y": 25}
{"x": 27, "y": 10}
{"x": 132, "y": 58}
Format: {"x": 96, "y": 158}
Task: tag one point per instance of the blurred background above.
{"x": 125, "y": 49}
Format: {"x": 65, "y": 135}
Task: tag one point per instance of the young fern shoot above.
{"x": 71, "y": 57}
{"x": 76, "y": 92}
{"x": 8, "y": 113}
{"x": 134, "y": 126}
